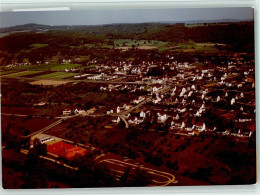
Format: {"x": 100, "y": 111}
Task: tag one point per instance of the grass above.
{"x": 19, "y": 74}
{"x": 96, "y": 97}
{"x": 147, "y": 87}
{"x": 52, "y": 67}
{"x": 90, "y": 66}
{"x": 84, "y": 58}
{"x": 66, "y": 75}
{"x": 152, "y": 43}
{"x": 197, "y": 47}
{"x": 57, "y": 75}
{"x": 38, "y": 45}
{"x": 6, "y": 72}
{"x": 50, "y": 75}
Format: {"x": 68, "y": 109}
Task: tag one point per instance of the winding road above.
{"x": 160, "y": 178}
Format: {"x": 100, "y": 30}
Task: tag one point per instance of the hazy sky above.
{"x": 94, "y": 17}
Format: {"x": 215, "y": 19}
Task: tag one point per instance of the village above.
{"x": 182, "y": 102}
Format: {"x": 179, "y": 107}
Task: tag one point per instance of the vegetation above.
{"x": 82, "y": 40}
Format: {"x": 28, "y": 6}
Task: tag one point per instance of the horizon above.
{"x": 152, "y": 22}
{"x": 106, "y": 17}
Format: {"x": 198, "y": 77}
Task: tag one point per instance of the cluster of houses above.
{"x": 69, "y": 111}
{"x": 228, "y": 90}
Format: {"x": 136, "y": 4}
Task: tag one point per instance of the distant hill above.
{"x": 41, "y": 27}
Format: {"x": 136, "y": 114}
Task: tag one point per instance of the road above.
{"x": 147, "y": 99}
{"x": 50, "y": 126}
{"x": 160, "y": 178}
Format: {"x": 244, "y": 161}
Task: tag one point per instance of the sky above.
{"x": 96, "y": 17}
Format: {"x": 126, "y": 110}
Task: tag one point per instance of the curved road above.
{"x": 160, "y": 178}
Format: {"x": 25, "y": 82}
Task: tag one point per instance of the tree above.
{"x": 137, "y": 177}
{"x": 39, "y": 147}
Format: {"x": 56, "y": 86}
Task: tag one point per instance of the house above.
{"x": 200, "y": 126}
{"x": 175, "y": 116}
{"x": 142, "y": 114}
{"x": 117, "y": 109}
{"x": 162, "y": 118}
{"x": 156, "y": 100}
{"x": 155, "y": 89}
{"x": 135, "y": 120}
{"x": 126, "y": 107}
{"x": 232, "y": 101}
{"x": 67, "y": 111}
{"x": 183, "y": 125}
{"x": 138, "y": 100}
{"x": 115, "y": 119}
{"x": 182, "y": 109}
{"x": 41, "y": 104}
{"x": 79, "y": 111}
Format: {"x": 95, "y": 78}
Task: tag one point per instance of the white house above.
{"x": 232, "y": 101}
{"x": 162, "y": 118}
{"x": 142, "y": 114}
{"x": 116, "y": 120}
{"x": 218, "y": 98}
{"x": 67, "y": 111}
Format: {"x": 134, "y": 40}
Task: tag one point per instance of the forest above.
{"x": 95, "y": 40}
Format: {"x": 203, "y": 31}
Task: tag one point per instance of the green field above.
{"x": 38, "y": 45}
{"x": 51, "y": 67}
{"x": 24, "y": 73}
{"x": 197, "y": 47}
{"x": 6, "y": 72}
{"x": 90, "y": 66}
{"x": 57, "y": 75}
{"x": 161, "y": 45}
{"x": 50, "y": 75}
{"x": 66, "y": 75}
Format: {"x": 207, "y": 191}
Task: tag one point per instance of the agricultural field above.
{"x": 65, "y": 76}
{"x": 9, "y": 71}
{"x": 50, "y": 67}
{"x": 20, "y": 124}
{"x": 48, "y": 82}
{"x": 197, "y": 47}
{"x": 23, "y": 74}
{"x": 56, "y": 75}
{"x": 141, "y": 44}
{"x": 38, "y": 45}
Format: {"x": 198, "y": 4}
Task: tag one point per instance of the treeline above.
{"x": 236, "y": 34}
{"x": 90, "y": 40}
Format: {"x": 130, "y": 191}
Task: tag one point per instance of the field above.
{"x": 48, "y": 82}
{"x": 6, "y": 72}
{"x": 196, "y": 47}
{"x": 21, "y": 74}
{"x": 38, "y": 45}
{"x": 51, "y": 67}
{"x": 18, "y": 124}
{"x": 141, "y": 44}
